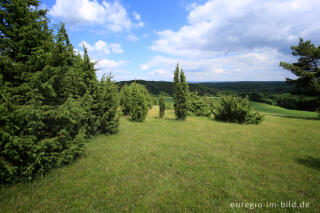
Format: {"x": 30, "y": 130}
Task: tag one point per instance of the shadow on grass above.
{"x": 296, "y": 117}
{"x": 171, "y": 119}
{"x": 310, "y": 162}
{"x": 133, "y": 121}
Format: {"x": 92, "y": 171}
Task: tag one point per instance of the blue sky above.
{"x": 214, "y": 40}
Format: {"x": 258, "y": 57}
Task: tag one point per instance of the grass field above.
{"x": 275, "y": 110}
{"x": 199, "y": 165}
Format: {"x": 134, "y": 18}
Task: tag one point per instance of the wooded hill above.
{"x": 212, "y": 88}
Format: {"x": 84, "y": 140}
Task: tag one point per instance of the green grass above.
{"x": 266, "y": 108}
{"x": 198, "y": 165}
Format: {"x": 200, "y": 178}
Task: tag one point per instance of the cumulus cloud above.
{"x": 106, "y": 66}
{"x": 83, "y": 12}
{"x": 220, "y": 26}
{"x": 237, "y": 40}
{"x": 101, "y": 48}
{"x": 259, "y": 64}
{"x": 109, "y": 64}
{"x": 99, "y": 51}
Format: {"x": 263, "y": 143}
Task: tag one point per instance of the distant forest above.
{"x": 213, "y": 88}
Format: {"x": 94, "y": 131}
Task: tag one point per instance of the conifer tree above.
{"x": 197, "y": 105}
{"x": 49, "y": 96}
{"x": 176, "y": 91}
{"x": 124, "y": 100}
{"x": 106, "y": 103}
{"x": 181, "y": 93}
{"x": 162, "y": 106}
{"x": 138, "y": 102}
{"x": 24, "y": 46}
{"x": 306, "y": 68}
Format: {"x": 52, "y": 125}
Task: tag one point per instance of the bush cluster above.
{"x": 50, "y": 99}
{"x": 198, "y": 106}
{"x": 135, "y": 101}
{"x": 235, "y": 109}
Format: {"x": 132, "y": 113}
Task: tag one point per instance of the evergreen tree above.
{"x": 138, "y": 102}
{"x": 306, "y": 68}
{"x": 49, "y": 98}
{"x": 135, "y": 101}
{"x": 197, "y": 105}
{"x": 181, "y": 93}
{"x": 162, "y": 106}
{"x": 184, "y": 96}
{"x": 87, "y": 85}
{"x": 106, "y": 103}
{"x": 24, "y": 44}
{"x": 176, "y": 91}
{"x": 124, "y": 100}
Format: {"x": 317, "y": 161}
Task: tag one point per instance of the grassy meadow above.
{"x": 198, "y": 165}
{"x": 279, "y": 111}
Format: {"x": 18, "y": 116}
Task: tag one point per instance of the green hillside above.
{"x": 266, "y": 108}
{"x": 200, "y": 165}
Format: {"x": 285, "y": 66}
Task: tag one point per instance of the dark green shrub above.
{"x": 235, "y": 109}
{"x": 138, "y": 102}
{"x": 198, "y": 106}
{"x": 50, "y": 99}
{"x": 106, "y": 106}
{"x": 162, "y": 106}
{"x": 124, "y": 100}
{"x": 135, "y": 101}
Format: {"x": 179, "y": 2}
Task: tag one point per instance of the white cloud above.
{"x": 101, "y": 48}
{"x": 161, "y": 74}
{"x": 231, "y": 26}
{"x": 237, "y": 40}
{"x": 116, "y": 48}
{"x": 136, "y": 16}
{"x": 132, "y": 38}
{"x": 109, "y": 64}
{"x": 84, "y": 12}
{"x": 144, "y": 67}
{"x": 106, "y": 66}
{"x": 259, "y": 64}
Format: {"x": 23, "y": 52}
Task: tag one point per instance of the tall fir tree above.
{"x": 181, "y": 93}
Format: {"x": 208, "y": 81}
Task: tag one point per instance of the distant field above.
{"x": 199, "y": 165}
{"x": 266, "y": 108}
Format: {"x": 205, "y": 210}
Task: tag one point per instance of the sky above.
{"x": 213, "y": 40}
